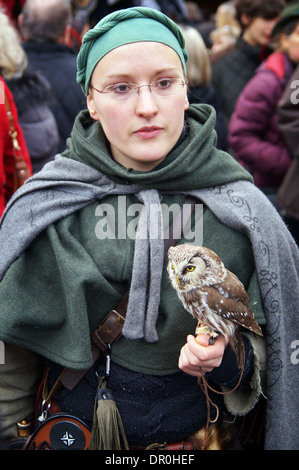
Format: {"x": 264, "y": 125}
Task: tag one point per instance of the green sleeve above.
{"x": 20, "y": 377}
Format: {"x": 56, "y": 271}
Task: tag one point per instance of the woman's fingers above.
{"x": 198, "y": 356}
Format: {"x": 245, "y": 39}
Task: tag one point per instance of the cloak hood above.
{"x": 180, "y": 170}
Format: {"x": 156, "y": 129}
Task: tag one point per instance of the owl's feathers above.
{"x": 211, "y": 293}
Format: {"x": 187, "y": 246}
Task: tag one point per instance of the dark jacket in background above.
{"x": 207, "y": 95}
{"x": 231, "y": 73}
{"x": 32, "y": 95}
{"x": 57, "y": 62}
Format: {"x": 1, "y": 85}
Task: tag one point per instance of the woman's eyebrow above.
{"x": 129, "y": 76}
{"x": 117, "y": 76}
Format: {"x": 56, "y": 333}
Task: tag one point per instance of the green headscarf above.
{"x": 124, "y": 27}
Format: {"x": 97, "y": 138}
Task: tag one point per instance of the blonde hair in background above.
{"x": 226, "y": 15}
{"x": 198, "y": 65}
{"x": 227, "y": 27}
{"x": 13, "y": 59}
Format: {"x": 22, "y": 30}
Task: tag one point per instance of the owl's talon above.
{"x": 206, "y": 330}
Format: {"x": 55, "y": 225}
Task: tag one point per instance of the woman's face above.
{"x": 143, "y": 130}
{"x": 290, "y": 44}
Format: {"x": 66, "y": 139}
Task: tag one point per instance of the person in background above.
{"x": 195, "y": 15}
{"x": 12, "y": 8}
{"x": 7, "y": 163}
{"x": 231, "y": 73}
{"x": 32, "y": 94}
{"x": 226, "y": 32}
{"x": 254, "y": 135}
{"x": 79, "y": 24}
{"x": 288, "y": 123}
{"x": 175, "y": 9}
{"x": 288, "y": 113}
{"x": 200, "y": 89}
{"x": 42, "y": 25}
{"x": 226, "y": 15}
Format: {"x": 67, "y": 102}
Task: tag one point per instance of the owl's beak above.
{"x": 178, "y": 279}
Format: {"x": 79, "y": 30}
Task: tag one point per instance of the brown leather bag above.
{"x": 61, "y": 431}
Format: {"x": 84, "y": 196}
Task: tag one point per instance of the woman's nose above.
{"x": 146, "y": 103}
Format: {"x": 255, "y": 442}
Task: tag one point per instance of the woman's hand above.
{"x": 198, "y": 356}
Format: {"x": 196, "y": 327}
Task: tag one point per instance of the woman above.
{"x": 254, "y": 134}
{"x": 138, "y": 144}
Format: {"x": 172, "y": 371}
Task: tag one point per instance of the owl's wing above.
{"x": 230, "y": 300}
{"x": 234, "y": 287}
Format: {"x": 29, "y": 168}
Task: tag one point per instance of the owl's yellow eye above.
{"x": 172, "y": 267}
{"x": 190, "y": 268}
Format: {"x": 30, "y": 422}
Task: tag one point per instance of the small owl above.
{"x": 212, "y": 294}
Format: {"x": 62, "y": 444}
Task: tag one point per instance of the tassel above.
{"x": 107, "y": 429}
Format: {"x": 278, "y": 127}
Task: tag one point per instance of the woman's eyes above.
{"x": 163, "y": 82}
{"x": 124, "y": 87}
{"x": 120, "y": 88}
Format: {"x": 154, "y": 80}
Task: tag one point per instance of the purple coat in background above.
{"x": 254, "y": 136}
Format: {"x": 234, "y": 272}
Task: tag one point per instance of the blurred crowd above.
{"x": 243, "y": 61}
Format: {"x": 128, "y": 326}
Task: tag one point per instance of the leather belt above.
{"x": 106, "y": 333}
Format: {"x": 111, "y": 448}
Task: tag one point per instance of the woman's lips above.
{"x": 148, "y": 132}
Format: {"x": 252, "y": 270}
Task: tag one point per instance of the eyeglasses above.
{"x": 163, "y": 87}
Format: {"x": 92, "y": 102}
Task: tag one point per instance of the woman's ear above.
{"x": 245, "y": 20}
{"x": 186, "y": 104}
{"x": 91, "y": 107}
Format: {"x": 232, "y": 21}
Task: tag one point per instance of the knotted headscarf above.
{"x": 122, "y": 27}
